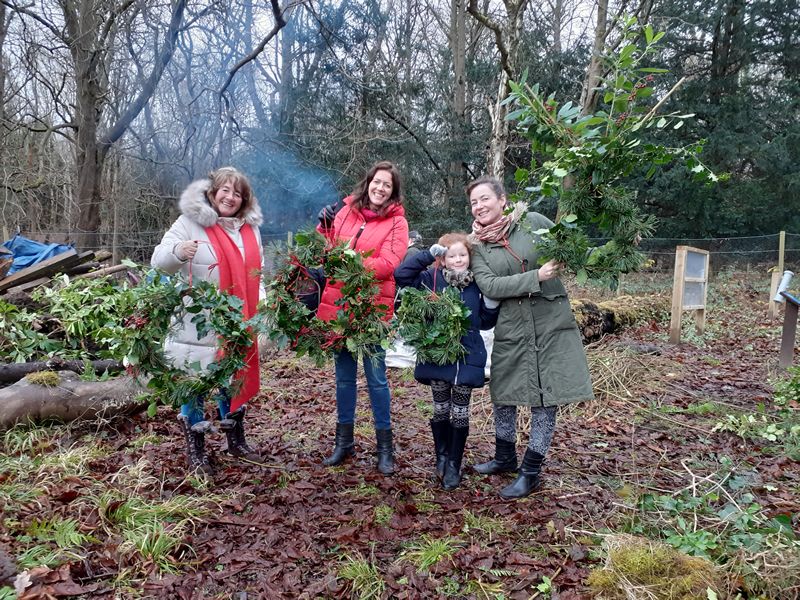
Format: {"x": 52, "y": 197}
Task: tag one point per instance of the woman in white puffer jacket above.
{"x": 217, "y": 239}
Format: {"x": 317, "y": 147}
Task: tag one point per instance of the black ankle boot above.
{"x": 343, "y": 446}
{"x": 441, "y": 439}
{"x": 455, "y": 452}
{"x": 233, "y": 426}
{"x": 385, "y": 451}
{"x": 195, "y": 437}
{"x": 504, "y": 461}
{"x": 528, "y": 479}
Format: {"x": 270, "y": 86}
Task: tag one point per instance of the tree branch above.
{"x": 493, "y": 26}
{"x": 149, "y": 86}
{"x": 413, "y": 135}
{"x": 22, "y": 10}
{"x": 280, "y": 23}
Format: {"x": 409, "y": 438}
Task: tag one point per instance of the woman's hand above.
{"x": 185, "y": 250}
{"x": 550, "y": 270}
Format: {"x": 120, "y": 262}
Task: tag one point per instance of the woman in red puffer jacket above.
{"x": 372, "y": 219}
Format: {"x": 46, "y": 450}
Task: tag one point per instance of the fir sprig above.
{"x": 433, "y": 324}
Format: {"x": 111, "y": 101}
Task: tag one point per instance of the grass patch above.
{"x": 428, "y": 551}
{"x": 156, "y": 544}
{"x": 486, "y": 527}
{"x": 363, "y": 578}
{"x": 383, "y": 514}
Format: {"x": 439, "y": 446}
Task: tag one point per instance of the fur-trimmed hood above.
{"x": 194, "y": 205}
{"x": 517, "y": 213}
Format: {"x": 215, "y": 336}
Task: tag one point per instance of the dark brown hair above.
{"x": 492, "y": 182}
{"x": 240, "y": 183}
{"x": 361, "y": 191}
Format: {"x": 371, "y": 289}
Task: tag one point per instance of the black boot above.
{"x": 528, "y": 479}
{"x": 195, "y": 436}
{"x": 504, "y": 461}
{"x": 385, "y": 451}
{"x": 441, "y": 439}
{"x": 455, "y": 452}
{"x": 233, "y": 426}
{"x": 343, "y": 445}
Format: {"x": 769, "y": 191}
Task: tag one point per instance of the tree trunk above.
{"x": 589, "y": 93}
{"x": 458, "y": 48}
{"x": 71, "y": 399}
{"x": 11, "y": 373}
{"x": 507, "y": 37}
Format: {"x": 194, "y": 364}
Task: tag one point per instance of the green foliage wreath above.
{"x": 433, "y": 324}
{"x": 584, "y": 160}
{"x": 359, "y": 326}
{"x": 160, "y": 302}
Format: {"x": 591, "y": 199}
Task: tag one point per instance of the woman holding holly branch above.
{"x": 372, "y": 221}
{"x": 537, "y": 357}
{"x": 216, "y": 238}
{"x": 452, "y": 383}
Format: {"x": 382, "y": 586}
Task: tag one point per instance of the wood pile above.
{"x": 71, "y": 262}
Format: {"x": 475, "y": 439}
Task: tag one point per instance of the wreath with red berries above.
{"x": 360, "y": 326}
{"x": 161, "y": 301}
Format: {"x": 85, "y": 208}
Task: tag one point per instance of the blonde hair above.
{"x": 240, "y": 183}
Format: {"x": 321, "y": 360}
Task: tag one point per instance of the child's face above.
{"x": 457, "y": 257}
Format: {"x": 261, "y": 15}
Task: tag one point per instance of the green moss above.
{"x": 635, "y": 563}
{"x": 44, "y": 378}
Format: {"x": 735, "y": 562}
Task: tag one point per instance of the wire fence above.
{"x": 737, "y": 253}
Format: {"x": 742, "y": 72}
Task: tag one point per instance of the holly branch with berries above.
{"x": 161, "y": 301}
{"x": 359, "y": 327}
{"x": 585, "y": 160}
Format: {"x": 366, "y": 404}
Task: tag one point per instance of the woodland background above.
{"x": 109, "y": 107}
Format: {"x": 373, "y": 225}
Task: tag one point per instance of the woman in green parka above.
{"x": 537, "y": 357}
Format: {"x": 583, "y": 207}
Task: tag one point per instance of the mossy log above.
{"x": 9, "y": 373}
{"x": 596, "y": 319}
{"x": 64, "y": 396}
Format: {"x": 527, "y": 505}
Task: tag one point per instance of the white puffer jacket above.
{"x": 182, "y": 346}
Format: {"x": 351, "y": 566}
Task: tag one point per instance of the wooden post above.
{"x": 289, "y": 239}
{"x": 619, "y": 285}
{"x": 774, "y": 307}
{"x": 690, "y": 289}
{"x": 781, "y": 250}
{"x": 115, "y": 238}
{"x": 677, "y": 295}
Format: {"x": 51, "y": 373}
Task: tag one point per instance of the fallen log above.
{"x": 9, "y": 373}
{"x": 69, "y": 399}
{"x": 596, "y": 319}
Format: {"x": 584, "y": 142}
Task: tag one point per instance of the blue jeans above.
{"x": 195, "y": 410}
{"x": 379, "y": 396}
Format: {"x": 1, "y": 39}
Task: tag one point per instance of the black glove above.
{"x": 327, "y": 214}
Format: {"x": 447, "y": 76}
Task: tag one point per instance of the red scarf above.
{"x": 240, "y": 277}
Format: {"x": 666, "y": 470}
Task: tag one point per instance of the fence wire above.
{"x": 736, "y": 252}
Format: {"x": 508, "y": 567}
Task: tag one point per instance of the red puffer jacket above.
{"x": 387, "y": 236}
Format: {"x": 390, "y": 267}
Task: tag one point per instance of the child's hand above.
{"x": 491, "y": 302}
{"x": 438, "y": 250}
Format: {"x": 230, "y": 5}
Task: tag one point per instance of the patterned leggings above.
{"x": 543, "y": 423}
{"x": 449, "y": 398}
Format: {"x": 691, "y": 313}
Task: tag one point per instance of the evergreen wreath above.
{"x": 359, "y": 326}
{"x": 159, "y": 302}
{"x": 585, "y": 160}
{"x": 433, "y": 324}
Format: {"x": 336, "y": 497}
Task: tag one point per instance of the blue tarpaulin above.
{"x": 28, "y": 252}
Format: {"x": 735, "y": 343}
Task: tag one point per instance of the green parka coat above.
{"x": 537, "y": 358}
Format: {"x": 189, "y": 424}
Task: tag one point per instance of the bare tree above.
{"x": 507, "y": 35}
